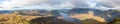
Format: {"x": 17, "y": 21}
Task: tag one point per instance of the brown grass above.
{"x": 90, "y": 15}
{"x": 15, "y": 19}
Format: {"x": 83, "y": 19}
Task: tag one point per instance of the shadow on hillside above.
{"x": 92, "y": 21}
{"x": 52, "y": 20}
{"x": 115, "y": 21}
{"x": 49, "y": 20}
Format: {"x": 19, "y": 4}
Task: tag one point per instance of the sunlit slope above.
{"x": 14, "y": 18}
{"x": 90, "y": 15}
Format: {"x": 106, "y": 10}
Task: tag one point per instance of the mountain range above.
{"x": 108, "y": 15}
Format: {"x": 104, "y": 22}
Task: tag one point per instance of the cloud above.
{"x": 59, "y": 4}
{"x": 18, "y": 3}
{"x": 110, "y": 3}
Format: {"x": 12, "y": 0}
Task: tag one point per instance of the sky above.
{"x": 58, "y": 4}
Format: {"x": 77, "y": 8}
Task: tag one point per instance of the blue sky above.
{"x": 58, "y": 4}
{"x": 1, "y": 1}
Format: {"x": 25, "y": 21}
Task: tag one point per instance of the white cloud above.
{"x": 50, "y": 4}
{"x": 110, "y": 3}
{"x": 18, "y": 3}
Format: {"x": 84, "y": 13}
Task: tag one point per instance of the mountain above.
{"x": 34, "y": 12}
{"x": 113, "y": 14}
{"x": 5, "y": 11}
{"x": 108, "y": 15}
